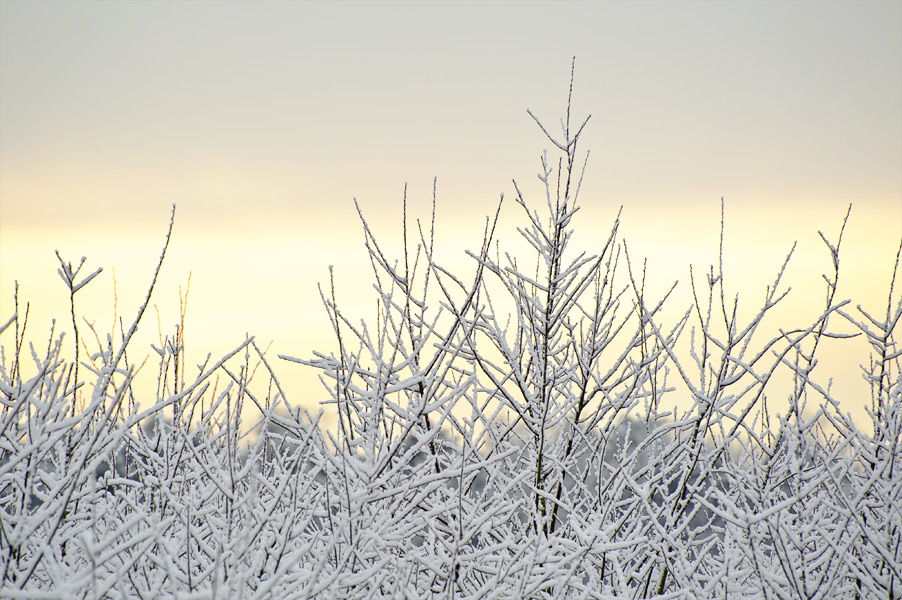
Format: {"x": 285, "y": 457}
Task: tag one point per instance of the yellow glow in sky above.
{"x": 263, "y": 120}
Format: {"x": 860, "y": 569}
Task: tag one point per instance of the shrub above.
{"x": 507, "y": 436}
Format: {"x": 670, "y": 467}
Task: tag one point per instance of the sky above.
{"x": 263, "y": 121}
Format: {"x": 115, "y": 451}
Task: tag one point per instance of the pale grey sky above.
{"x": 262, "y": 120}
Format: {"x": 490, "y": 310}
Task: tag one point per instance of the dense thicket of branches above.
{"x": 511, "y": 434}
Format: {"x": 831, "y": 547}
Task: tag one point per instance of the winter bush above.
{"x": 511, "y": 434}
